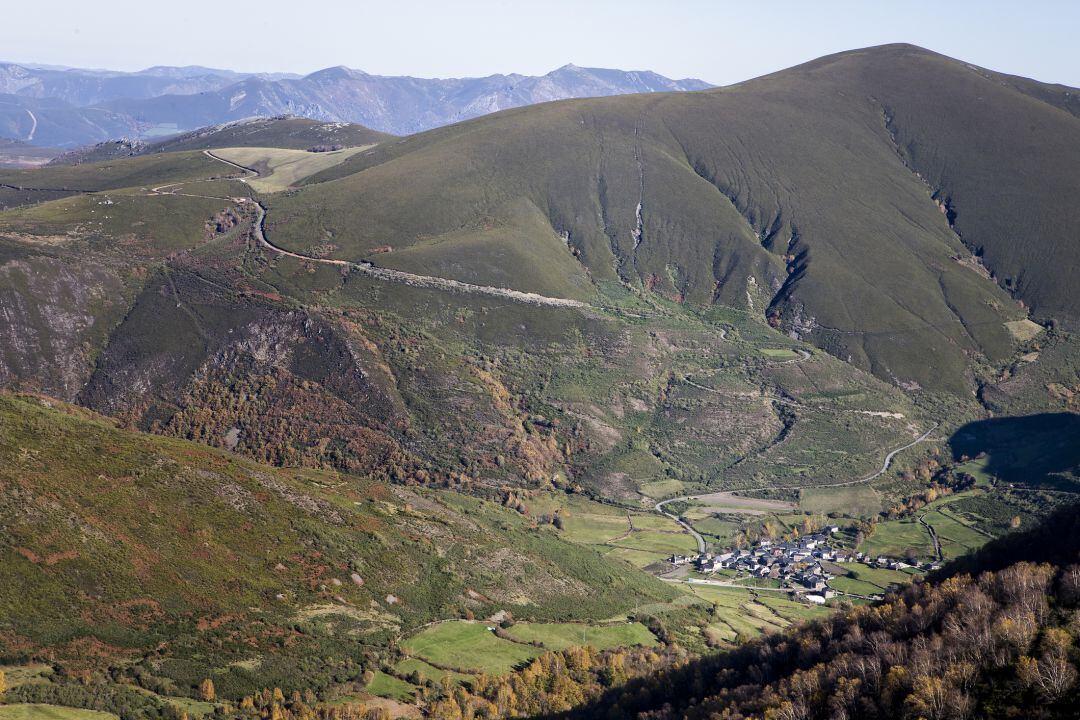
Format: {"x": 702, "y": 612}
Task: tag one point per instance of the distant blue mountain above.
{"x": 73, "y": 106}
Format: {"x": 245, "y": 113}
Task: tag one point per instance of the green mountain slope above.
{"x": 150, "y": 296}
{"x": 814, "y": 195}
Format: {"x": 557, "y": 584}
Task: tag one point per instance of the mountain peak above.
{"x": 336, "y": 72}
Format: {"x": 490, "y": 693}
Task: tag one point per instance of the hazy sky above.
{"x": 718, "y": 41}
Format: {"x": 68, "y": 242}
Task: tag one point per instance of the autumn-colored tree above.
{"x": 207, "y": 693}
{"x": 1052, "y": 675}
{"x": 3, "y": 682}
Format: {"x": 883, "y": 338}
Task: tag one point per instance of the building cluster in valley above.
{"x": 797, "y": 564}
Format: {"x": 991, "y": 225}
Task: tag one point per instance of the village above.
{"x": 803, "y": 567}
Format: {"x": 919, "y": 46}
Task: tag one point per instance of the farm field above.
{"x": 280, "y": 168}
{"x": 721, "y": 530}
{"x": 851, "y": 500}
{"x": 898, "y": 538}
{"x": 954, "y": 532}
{"x": 640, "y": 538}
{"x": 661, "y": 488}
{"x": 864, "y": 580}
{"x": 778, "y": 353}
{"x": 427, "y": 672}
{"x": 731, "y": 503}
{"x": 559, "y": 636}
{"x": 957, "y": 531}
{"x": 468, "y": 647}
{"x": 737, "y": 611}
{"x": 388, "y": 686}
{"x": 34, "y": 711}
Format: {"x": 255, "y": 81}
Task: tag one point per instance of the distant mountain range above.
{"x": 64, "y": 107}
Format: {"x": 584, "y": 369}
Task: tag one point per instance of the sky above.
{"x": 718, "y": 41}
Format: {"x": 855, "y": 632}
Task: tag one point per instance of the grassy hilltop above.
{"x": 813, "y": 195}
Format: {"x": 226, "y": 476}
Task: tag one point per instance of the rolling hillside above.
{"x": 835, "y": 198}
{"x": 680, "y": 240}
{"x": 122, "y": 549}
{"x": 293, "y": 403}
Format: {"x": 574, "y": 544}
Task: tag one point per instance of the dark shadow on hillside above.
{"x": 1036, "y": 450}
{"x": 1055, "y": 540}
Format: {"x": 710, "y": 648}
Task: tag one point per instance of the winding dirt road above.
{"x": 394, "y": 276}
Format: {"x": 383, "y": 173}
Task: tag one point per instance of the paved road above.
{"x": 686, "y": 526}
{"x": 888, "y": 459}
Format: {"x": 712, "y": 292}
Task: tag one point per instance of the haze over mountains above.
{"x": 70, "y": 107}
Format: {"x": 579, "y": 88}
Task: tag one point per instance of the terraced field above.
{"x": 748, "y": 612}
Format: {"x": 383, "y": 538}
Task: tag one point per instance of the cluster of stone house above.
{"x": 796, "y": 564}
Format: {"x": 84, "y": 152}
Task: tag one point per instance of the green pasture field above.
{"x": 864, "y": 580}
{"x": 778, "y": 353}
{"x": 851, "y": 500}
{"x": 750, "y": 613}
{"x": 388, "y": 686}
{"x": 559, "y": 636}
{"x": 956, "y": 536}
{"x": 468, "y": 647}
{"x": 607, "y": 528}
{"x": 427, "y": 671}
{"x": 896, "y": 537}
{"x": 662, "y": 488}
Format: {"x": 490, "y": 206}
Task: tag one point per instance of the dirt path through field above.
{"x": 933, "y": 536}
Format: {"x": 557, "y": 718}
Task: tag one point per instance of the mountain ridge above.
{"x": 809, "y": 181}
{"x": 163, "y": 99}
